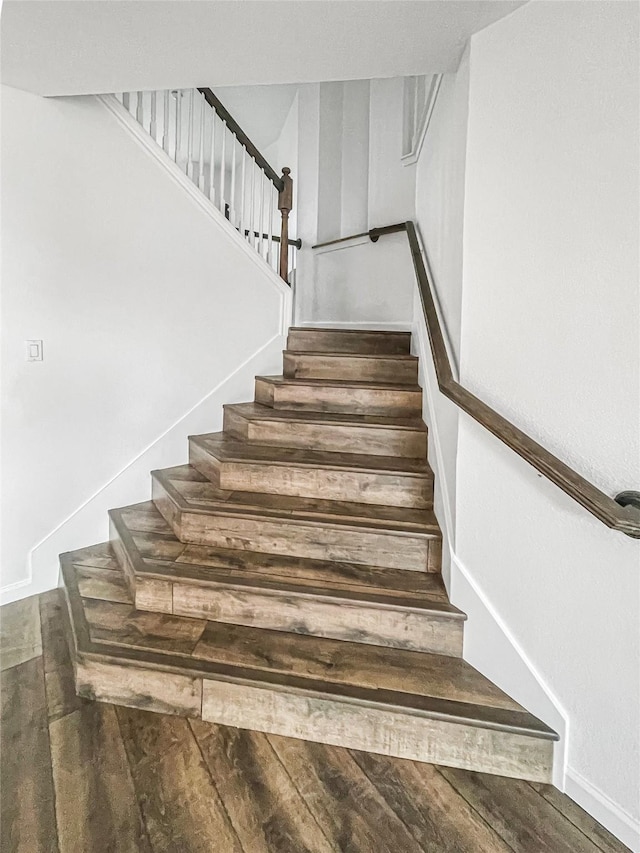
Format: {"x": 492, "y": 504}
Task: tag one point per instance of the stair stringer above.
{"x": 489, "y": 644}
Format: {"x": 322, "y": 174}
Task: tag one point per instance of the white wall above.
{"x": 391, "y": 184}
{"x": 549, "y": 336}
{"x": 148, "y": 305}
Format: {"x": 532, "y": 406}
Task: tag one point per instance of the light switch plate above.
{"x": 34, "y": 350}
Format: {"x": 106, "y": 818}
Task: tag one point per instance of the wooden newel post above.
{"x": 285, "y": 205}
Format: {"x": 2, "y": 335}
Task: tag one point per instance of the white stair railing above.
{"x": 207, "y": 144}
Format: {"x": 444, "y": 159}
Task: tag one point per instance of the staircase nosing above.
{"x": 445, "y": 710}
{"x": 336, "y": 354}
{"x": 201, "y": 441}
{"x": 260, "y": 513}
{"x": 307, "y": 417}
{"x": 178, "y": 572}
{"x": 340, "y": 383}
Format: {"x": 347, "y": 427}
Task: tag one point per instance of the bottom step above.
{"x": 395, "y": 702}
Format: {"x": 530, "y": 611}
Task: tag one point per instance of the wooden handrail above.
{"x": 242, "y": 137}
{"x": 283, "y": 184}
{"x": 623, "y": 516}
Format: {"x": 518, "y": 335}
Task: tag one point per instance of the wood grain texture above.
{"x": 266, "y": 809}
{"x": 92, "y": 779}
{"x": 20, "y": 638}
{"x": 351, "y": 811}
{"x": 541, "y": 830}
{"x": 236, "y": 466}
{"x": 438, "y": 818}
{"x": 352, "y": 663}
{"x": 588, "y": 825}
{"x": 366, "y": 341}
{"x": 138, "y": 687}
{"x": 181, "y": 806}
{"x": 355, "y": 398}
{"x": 202, "y": 787}
{"x": 58, "y": 671}
{"x": 394, "y": 369}
{"x": 201, "y": 494}
{"x": 328, "y": 433}
{"x": 313, "y": 613}
{"x": 387, "y": 732}
{"x": 26, "y": 795}
{"x": 285, "y": 534}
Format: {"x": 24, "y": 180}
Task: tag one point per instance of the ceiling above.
{"x": 69, "y": 47}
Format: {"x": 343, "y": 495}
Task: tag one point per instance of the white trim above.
{"x": 42, "y": 584}
{"x": 140, "y": 135}
{"x": 412, "y": 156}
{"x": 561, "y": 749}
{"x": 11, "y": 591}
{"x": 594, "y": 801}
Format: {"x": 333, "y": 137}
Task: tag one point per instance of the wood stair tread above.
{"x": 400, "y": 357}
{"x": 191, "y": 491}
{"x": 154, "y": 551}
{"x": 340, "y": 383}
{"x": 415, "y": 682}
{"x": 227, "y": 449}
{"x": 349, "y": 340}
{"x": 259, "y": 412}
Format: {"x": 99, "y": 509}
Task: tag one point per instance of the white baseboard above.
{"x": 88, "y": 523}
{"x": 594, "y": 801}
{"x": 498, "y": 655}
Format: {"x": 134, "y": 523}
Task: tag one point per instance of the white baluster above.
{"x": 223, "y": 165}
{"x": 178, "y": 96}
{"x": 232, "y": 195}
{"x": 153, "y": 125}
{"x": 126, "y": 100}
{"x": 212, "y": 160}
{"x": 270, "y": 231}
{"x": 242, "y": 190}
{"x": 190, "y": 137}
{"x": 252, "y": 205}
{"x": 165, "y": 122}
{"x": 261, "y": 224}
{"x": 201, "y": 159}
{"x": 140, "y": 108}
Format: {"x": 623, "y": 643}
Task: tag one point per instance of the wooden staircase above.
{"x": 288, "y": 579}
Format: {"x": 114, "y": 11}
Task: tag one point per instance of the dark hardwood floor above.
{"x": 85, "y": 777}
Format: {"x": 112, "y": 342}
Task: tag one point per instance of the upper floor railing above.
{"x": 209, "y": 146}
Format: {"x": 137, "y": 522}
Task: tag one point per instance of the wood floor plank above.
{"x": 265, "y": 808}
{"x": 603, "y": 839}
{"x": 182, "y": 809}
{"x": 28, "y": 822}
{"x": 350, "y": 811}
{"x": 518, "y": 813}
{"x": 436, "y": 815}
{"x": 96, "y": 804}
{"x": 58, "y": 670}
{"x": 20, "y": 638}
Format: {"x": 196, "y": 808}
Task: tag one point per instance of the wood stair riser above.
{"x": 386, "y": 732}
{"x": 321, "y": 616}
{"x": 290, "y": 713}
{"x": 376, "y": 441}
{"x": 375, "y": 368}
{"x": 392, "y": 402}
{"x": 150, "y": 594}
{"x": 386, "y": 549}
{"x": 348, "y": 341}
{"x": 380, "y": 488}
